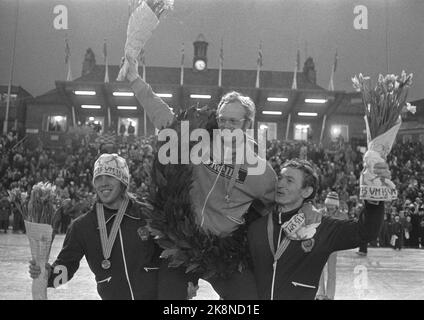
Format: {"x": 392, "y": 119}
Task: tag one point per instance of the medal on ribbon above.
{"x": 106, "y": 264}
{"x": 143, "y": 233}
{"x": 107, "y": 242}
{"x": 307, "y": 245}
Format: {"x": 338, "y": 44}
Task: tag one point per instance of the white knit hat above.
{"x": 112, "y": 165}
{"x": 332, "y": 199}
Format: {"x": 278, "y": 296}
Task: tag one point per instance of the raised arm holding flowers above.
{"x": 141, "y": 24}
{"x": 383, "y": 105}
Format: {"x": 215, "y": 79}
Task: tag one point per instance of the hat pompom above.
{"x": 332, "y": 199}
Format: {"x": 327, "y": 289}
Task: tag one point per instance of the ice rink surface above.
{"x": 384, "y": 274}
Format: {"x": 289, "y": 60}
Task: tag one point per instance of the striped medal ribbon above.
{"x": 281, "y": 246}
{"x": 107, "y": 242}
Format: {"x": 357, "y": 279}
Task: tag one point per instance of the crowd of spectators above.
{"x": 338, "y": 165}
{"x": 69, "y": 168}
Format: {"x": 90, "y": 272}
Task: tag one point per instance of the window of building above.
{"x": 97, "y": 123}
{"x": 338, "y": 131}
{"x": 128, "y": 126}
{"x": 3, "y": 98}
{"x": 406, "y": 138}
{"x": 270, "y": 128}
{"x": 301, "y": 131}
{"x": 56, "y": 123}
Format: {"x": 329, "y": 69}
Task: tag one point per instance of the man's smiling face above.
{"x": 109, "y": 190}
{"x": 289, "y": 187}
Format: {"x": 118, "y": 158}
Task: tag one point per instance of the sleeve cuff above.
{"x": 134, "y": 82}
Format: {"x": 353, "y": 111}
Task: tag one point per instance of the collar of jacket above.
{"x": 279, "y": 217}
{"x": 308, "y": 217}
{"x": 135, "y": 210}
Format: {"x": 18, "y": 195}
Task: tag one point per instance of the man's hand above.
{"x": 132, "y": 73}
{"x": 191, "y": 290}
{"x": 381, "y": 170}
{"x": 312, "y": 215}
{"x": 35, "y": 270}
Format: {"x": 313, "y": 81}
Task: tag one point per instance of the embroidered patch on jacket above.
{"x": 227, "y": 171}
{"x": 308, "y": 244}
{"x": 143, "y": 233}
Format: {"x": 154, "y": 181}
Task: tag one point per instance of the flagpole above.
{"x": 322, "y": 128}
{"x": 144, "y": 109}
{"x": 219, "y": 77}
{"x": 259, "y": 65}
{"x": 296, "y": 68}
{"x": 294, "y": 85}
{"x": 387, "y": 36}
{"x": 333, "y": 70}
{"x": 9, "y": 87}
{"x": 182, "y": 66}
{"x": 73, "y": 116}
{"x": 69, "y": 75}
{"x": 106, "y": 80}
{"x": 109, "y": 118}
{"x": 257, "y": 78}
{"x": 288, "y": 126}
{"x": 68, "y": 59}
{"x": 331, "y": 83}
{"x": 221, "y": 58}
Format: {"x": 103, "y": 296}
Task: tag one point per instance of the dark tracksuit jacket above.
{"x": 298, "y": 272}
{"x": 134, "y": 259}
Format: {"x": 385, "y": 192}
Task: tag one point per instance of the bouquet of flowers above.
{"x": 38, "y": 215}
{"x": 383, "y": 106}
{"x": 141, "y": 24}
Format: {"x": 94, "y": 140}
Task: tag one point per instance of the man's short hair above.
{"x": 245, "y": 101}
{"x": 310, "y": 177}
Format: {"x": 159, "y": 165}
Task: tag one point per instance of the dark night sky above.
{"x": 317, "y": 27}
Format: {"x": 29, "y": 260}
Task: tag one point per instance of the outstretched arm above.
{"x": 349, "y": 234}
{"x": 157, "y": 110}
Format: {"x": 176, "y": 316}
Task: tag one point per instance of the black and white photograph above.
{"x": 233, "y": 151}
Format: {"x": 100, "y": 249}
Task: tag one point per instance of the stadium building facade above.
{"x": 304, "y": 112}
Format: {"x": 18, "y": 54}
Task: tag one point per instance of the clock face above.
{"x": 200, "y": 65}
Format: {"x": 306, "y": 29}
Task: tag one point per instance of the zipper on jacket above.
{"x": 274, "y": 266}
{"x": 147, "y": 269}
{"x": 125, "y": 264}
{"x": 104, "y": 280}
{"x": 208, "y": 195}
{"x": 302, "y": 285}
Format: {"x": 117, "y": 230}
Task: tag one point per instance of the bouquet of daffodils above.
{"x": 383, "y": 107}
{"x": 38, "y": 216}
{"x": 143, "y": 20}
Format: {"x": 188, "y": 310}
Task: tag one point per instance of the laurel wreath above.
{"x": 173, "y": 220}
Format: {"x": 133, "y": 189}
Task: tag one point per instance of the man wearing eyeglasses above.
{"x": 221, "y": 193}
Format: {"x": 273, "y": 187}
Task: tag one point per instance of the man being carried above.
{"x": 221, "y": 193}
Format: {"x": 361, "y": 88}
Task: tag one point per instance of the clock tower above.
{"x": 200, "y": 60}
